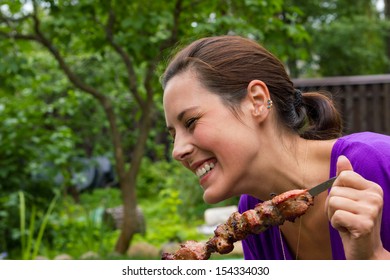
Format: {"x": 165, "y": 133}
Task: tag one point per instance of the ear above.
{"x": 258, "y": 95}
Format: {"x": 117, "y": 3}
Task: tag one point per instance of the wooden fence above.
{"x": 364, "y": 101}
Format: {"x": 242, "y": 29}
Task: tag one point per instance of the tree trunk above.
{"x": 128, "y": 183}
{"x": 130, "y": 222}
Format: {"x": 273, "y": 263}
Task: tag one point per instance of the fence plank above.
{"x": 377, "y": 107}
{"x": 386, "y": 97}
{"x": 362, "y": 122}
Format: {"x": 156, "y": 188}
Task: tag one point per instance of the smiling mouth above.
{"x": 204, "y": 169}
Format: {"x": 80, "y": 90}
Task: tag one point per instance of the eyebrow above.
{"x": 185, "y": 111}
{"x": 181, "y": 115}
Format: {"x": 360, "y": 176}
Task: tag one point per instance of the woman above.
{"x": 238, "y": 124}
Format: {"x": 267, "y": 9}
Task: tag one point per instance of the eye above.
{"x": 190, "y": 122}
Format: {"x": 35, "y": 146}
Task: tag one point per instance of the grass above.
{"x": 29, "y": 253}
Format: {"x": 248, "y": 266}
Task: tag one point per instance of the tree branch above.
{"x": 147, "y": 113}
{"x": 63, "y": 65}
{"x": 40, "y": 38}
{"x": 132, "y": 77}
{"x": 104, "y": 101}
{"x": 9, "y": 20}
{"x": 165, "y": 44}
{"x": 14, "y": 35}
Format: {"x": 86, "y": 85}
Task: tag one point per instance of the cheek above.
{"x": 232, "y": 145}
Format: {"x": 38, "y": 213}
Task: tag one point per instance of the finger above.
{"x": 369, "y": 209}
{"x": 366, "y": 209}
{"x": 343, "y": 203}
{"x": 349, "y": 193}
{"x": 336, "y": 203}
{"x": 346, "y": 176}
{"x": 356, "y": 226}
{"x": 371, "y": 194}
{"x": 343, "y": 164}
{"x": 350, "y": 179}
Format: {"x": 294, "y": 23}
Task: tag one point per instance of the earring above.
{"x": 269, "y": 103}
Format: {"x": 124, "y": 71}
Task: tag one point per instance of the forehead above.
{"x": 182, "y": 88}
{"x": 185, "y": 91}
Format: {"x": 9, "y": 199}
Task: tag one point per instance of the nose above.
{"x": 182, "y": 149}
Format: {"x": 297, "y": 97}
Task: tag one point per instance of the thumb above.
{"x": 343, "y": 164}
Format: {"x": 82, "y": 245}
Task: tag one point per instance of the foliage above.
{"x": 347, "y": 38}
{"x": 39, "y": 136}
{"x": 27, "y": 149}
{"x": 24, "y": 239}
{"x": 68, "y": 228}
{"x": 30, "y": 245}
{"x": 344, "y": 49}
{"x": 78, "y": 228}
{"x": 9, "y": 226}
{"x": 26, "y": 145}
{"x": 169, "y": 198}
{"x": 172, "y": 202}
{"x": 166, "y": 178}
{"x": 164, "y": 220}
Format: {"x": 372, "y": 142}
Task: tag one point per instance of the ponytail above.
{"x": 317, "y": 117}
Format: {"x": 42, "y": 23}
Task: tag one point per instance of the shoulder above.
{"x": 369, "y": 154}
{"x": 363, "y": 147}
{"x": 363, "y": 142}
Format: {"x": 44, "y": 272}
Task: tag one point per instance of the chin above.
{"x": 213, "y": 198}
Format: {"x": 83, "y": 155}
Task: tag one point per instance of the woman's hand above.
{"x": 354, "y": 208}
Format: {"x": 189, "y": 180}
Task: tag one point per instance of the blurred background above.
{"x": 85, "y": 164}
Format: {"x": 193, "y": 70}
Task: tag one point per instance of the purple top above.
{"x": 369, "y": 154}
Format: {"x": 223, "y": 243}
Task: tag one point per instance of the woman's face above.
{"x": 217, "y": 146}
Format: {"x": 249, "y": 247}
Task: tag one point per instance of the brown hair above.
{"x": 227, "y": 64}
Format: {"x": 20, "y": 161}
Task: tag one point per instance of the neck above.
{"x": 292, "y": 164}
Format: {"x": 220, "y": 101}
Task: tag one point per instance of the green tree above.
{"x": 26, "y": 145}
{"x": 348, "y": 37}
{"x": 88, "y": 28}
{"x": 113, "y": 52}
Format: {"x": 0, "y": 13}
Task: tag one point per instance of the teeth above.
{"x": 204, "y": 169}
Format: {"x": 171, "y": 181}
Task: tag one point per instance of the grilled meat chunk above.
{"x": 286, "y": 206}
